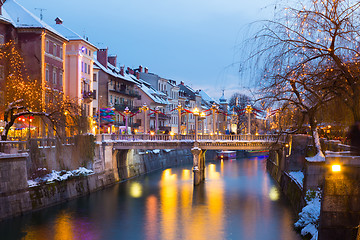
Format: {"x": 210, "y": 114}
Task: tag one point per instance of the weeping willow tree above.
{"x": 308, "y": 55}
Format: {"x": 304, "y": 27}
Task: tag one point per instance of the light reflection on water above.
{"x": 238, "y": 201}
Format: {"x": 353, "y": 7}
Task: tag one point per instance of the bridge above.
{"x": 197, "y": 143}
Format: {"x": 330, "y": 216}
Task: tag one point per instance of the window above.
{"x": 47, "y": 74}
{"x": 94, "y": 94}
{"x": 47, "y": 46}
{"x": 61, "y": 52}
{"x": 54, "y": 77}
{"x": 61, "y": 78}
{"x": 94, "y": 77}
{"x": 111, "y": 99}
{"x": 89, "y": 53}
{"x": 89, "y": 69}
{"x": 2, "y": 39}
{"x": 55, "y": 50}
{"x": 85, "y": 67}
{"x": 82, "y": 66}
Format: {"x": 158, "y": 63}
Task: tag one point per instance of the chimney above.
{"x": 182, "y": 83}
{"x": 140, "y": 68}
{"x": 146, "y": 70}
{"x": 57, "y": 20}
{"x": 122, "y": 70}
{"x": 138, "y": 75}
{"x": 112, "y": 60}
{"x": 102, "y": 57}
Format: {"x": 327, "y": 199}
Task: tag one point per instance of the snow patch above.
{"x": 319, "y": 157}
{"x": 156, "y": 151}
{"x": 309, "y": 216}
{"x": 60, "y": 176}
{"x": 298, "y": 177}
{"x": 167, "y": 150}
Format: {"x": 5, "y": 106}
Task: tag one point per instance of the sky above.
{"x": 194, "y": 41}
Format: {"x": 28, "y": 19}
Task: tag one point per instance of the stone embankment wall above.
{"x": 110, "y": 166}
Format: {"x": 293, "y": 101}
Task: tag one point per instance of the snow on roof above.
{"x": 20, "y": 17}
{"x": 155, "y": 95}
{"x": 113, "y": 71}
{"x": 206, "y": 97}
{"x": 70, "y": 34}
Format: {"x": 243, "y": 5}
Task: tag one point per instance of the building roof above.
{"x": 205, "y": 97}
{"x": 113, "y": 71}
{"x": 70, "y": 34}
{"x": 20, "y": 17}
{"x": 152, "y": 93}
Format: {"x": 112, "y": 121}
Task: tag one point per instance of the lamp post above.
{"x": 145, "y": 109}
{"x": 202, "y": 118}
{"x": 248, "y": 110}
{"x": 126, "y": 112}
{"x": 196, "y": 114}
{"x": 213, "y": 109}
{"x": 156, "y": 120}
{"x": 179, "y": 109}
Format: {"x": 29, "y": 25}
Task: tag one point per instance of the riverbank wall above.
{"x": 109, "y": 167}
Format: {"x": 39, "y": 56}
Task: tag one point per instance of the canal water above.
{"x": 239, "y": 200}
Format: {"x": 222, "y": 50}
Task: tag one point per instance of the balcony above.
{"x": 124, "y": 91}
{"x": 88, "y": 96}
{"x": 121, "y": 108}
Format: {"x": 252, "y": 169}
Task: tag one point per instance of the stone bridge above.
{"x": 198, "y": 145}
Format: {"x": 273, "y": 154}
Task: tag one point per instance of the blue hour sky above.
{"x": 195, "y": 41}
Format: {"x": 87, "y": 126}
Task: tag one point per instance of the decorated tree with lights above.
{"x": 23, "y": 96}
{"x": 308, "y": 56}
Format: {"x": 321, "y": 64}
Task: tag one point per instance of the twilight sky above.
{"x": 195, "y": 41}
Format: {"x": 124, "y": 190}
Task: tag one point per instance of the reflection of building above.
{"x": 79, "y": 68}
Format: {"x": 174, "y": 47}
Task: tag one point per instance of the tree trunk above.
{"x": 315, "y": 134}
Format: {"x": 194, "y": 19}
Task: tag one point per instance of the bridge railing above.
{"x": 164, "y": 137}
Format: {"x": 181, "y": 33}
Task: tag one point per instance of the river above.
{"x": 239, "y": 200}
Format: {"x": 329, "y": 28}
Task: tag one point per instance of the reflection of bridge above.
{"x": 198, "y": 147}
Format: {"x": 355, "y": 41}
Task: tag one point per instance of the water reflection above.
{"x": 238, "y": 201}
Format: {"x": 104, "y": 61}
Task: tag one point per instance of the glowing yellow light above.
{"x": 196, "y": 111}
{"x": 152, "y": 133}
{"x": 329, "y": 126}
{"x": 336, "y": 168}
{"x": 274, "y": 194}
{"x": 135, "y": 190}
{"x": 135, "y": 130}
{"x": 172, "y": 133}
{"x": 286, "y": 145}
{"x": 185, "y": 174}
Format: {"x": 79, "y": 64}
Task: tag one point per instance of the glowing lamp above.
{"x": 336, "y": 168}
{"x": 172, "y": 133}
{"x": 196, "y": 111}
{"x": 152, "y": 133}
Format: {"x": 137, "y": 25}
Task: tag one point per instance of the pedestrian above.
{"x": 354, "y": 137}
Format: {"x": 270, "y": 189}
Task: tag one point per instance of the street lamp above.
{"x": 196, "y": 114}
{"x": 126, "y": 112}
{"x": 179, "y": 109}
{"x": 248, "y": 110}
{"x": 202, "y": 118}
{"x": 145, "y": 109}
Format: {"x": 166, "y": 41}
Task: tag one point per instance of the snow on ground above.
{"x": 309, "y": 217}
{"x": 156, "y": 151}
{"x": 60, "y": 176}
{"x": 319, "y": 157}
{"x": 298, "y": 177}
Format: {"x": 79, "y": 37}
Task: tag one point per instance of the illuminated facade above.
{"x": 79, "y": 56}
